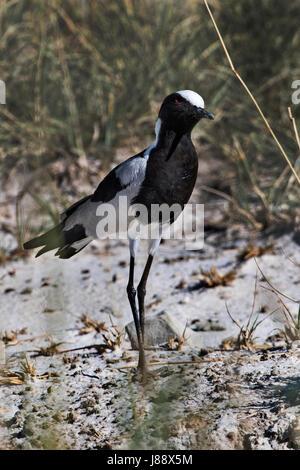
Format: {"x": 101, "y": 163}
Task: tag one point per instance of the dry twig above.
{"x": 292, "y": 119}
{"x": 91, "y": 325}
{"x": 213, "y": 277}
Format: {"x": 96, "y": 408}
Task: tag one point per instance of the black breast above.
{"x": 169, "y": 181}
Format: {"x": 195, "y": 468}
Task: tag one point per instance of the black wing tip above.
{"x": 29, "y": 245}
{"x": 39, "y": 253}
{"x": 66, "y": 252}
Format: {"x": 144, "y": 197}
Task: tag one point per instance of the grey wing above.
{"x": 132, "y": 171}
{"x": 124, "y": 180}
{"x": 78, "y": 224}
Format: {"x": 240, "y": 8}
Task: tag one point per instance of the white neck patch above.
{"x": 152, "y": 146}
{"x": 192, "y": 97}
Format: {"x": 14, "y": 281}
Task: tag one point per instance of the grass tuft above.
{"x": 86, "y": 78}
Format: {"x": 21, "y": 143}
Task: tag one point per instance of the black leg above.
{"x": 141, "y": 291}
{"x": 131, "y": 292}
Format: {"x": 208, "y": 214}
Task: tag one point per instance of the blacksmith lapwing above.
{"x": 164, "y": 173}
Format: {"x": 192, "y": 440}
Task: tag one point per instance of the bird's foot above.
{"x": 143, "y": 374}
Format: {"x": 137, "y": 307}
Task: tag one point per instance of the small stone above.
{"x": 29, "y": 426}
{"x": 57, "y": 417}
{"x": 184, "y": 301}
{"x": 274, "y": 371}
{"x": 207, "y": 325}
{"x": 295, "y": 345}
{"x": 160, "y": 328}
{"x": 8, "y": 290}
{"x": 71, "y": 418}
{"x": 26, "y": 291}
{"x": 88, "y": 403}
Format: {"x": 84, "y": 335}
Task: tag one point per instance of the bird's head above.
{"x": 182, "y": 110}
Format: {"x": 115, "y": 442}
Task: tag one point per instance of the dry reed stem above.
{"x": 250, "y": 94}
{"x": 253, "y": 304}
{"x": 292, "y": 119}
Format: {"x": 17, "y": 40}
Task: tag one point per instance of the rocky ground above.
{"x": 224, "y": 394}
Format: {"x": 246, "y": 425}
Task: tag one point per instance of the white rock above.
{"x": 160, "y": 328}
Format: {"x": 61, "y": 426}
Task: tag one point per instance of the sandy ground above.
{"x": 238, "y": 399}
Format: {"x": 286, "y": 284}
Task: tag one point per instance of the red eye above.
{"x": 177, "y": 99}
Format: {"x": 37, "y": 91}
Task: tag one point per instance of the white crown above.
{"x": 192, "y": 97}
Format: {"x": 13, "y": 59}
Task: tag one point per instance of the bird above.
{"x": 163, "y": 173}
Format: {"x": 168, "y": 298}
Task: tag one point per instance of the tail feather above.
{"x": 69, "y": 242}
{"x": 51, "y": 238}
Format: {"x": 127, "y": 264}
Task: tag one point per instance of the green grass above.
{"x": 82, "y": 77}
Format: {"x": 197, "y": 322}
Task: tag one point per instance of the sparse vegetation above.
{"x": 214, "y": 277}
{"x": 291, "y": 324}
{"x": 84, "y": 81}
{"x": 28, "y": 371}
{"x": 251, "y": 251}
{"x": 245, "y": 339}
{"x": 84, "y": 78}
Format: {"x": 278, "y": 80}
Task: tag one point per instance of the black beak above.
{"x": 203, "y": 113}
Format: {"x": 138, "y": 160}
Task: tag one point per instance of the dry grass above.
{"x": 214, "y": 277}
{"x": 113, "y": 338}
{"x": 292, "y": 325}
{"x": 251, "y": 251}
{"x": 176, "y": 344}
{"x": 8, "y": 377}
{"x": 87, "y": 58}
{"x": 9, "y": 337}
{"x": 28, "y": 370}
{"x": 245, "y": 339}
{"x": 291, "y": 329}
{"x": 91, "y": 325}
{"x": 50, "y": 350}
